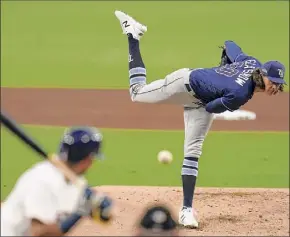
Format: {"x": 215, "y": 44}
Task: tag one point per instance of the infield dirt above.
{"x": 114, "y": 109}
{"x": 220, "y": 211}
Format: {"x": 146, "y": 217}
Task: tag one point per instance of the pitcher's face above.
{"x": 271, "y": 88}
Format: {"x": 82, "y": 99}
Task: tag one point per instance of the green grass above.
{"x": 79, "y": 43}
{"x": 229, "y": 159}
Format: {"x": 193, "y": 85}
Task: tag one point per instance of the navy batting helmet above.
{"x": 79, "y": 142}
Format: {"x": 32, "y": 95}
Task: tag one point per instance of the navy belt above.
{"x": 190, "y": 90}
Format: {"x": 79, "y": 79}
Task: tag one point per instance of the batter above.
{"x": 202, "y": 92}
{"x": 44, "y": 203}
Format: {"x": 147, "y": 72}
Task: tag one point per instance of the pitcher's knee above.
{"x": 193, "y": 153}
{"x": 133, "y": 98}
{"x": 134, "y": 89}
{"x": 193, "y": 149}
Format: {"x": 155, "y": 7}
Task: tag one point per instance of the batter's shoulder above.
{"x": 46, "y": 173}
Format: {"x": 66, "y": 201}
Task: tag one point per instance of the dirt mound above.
{"x": 221, "y": 211}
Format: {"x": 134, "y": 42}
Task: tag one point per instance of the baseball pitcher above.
{"x": 44, "y": 203}
{"x": 202, "y": 92}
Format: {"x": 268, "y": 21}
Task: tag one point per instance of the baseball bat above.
{"x": 12, "y": 126}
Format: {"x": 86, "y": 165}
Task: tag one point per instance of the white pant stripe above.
{"x": 137, "y": 70}
{"x": 187, "y": 171}
{"x": 135, "y": 80}
{"x": 190, "y": 163}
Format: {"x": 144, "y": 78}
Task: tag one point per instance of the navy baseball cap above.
{"x": 275, "y": 71}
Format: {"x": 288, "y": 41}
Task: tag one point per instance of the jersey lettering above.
{"x": 249, "y": 68}
{"x": 227, "y": 70}
{"x": 241, "y": 70}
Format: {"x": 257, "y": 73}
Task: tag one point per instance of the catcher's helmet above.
{"x": 159, "y": 219}
{"x": 79, "y": 142}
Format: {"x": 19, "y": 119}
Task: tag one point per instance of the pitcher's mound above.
{"x": 221, "y": 211}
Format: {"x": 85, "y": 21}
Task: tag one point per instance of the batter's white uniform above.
{"x": 41, "y": 193}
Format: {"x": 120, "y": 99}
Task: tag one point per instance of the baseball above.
{"x": 165, "y": 157}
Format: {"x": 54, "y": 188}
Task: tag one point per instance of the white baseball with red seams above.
{"x": 165, "y": 157}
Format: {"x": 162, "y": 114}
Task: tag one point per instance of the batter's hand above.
{"x": 101, "y": 208}
{"x": 96, "y": 205}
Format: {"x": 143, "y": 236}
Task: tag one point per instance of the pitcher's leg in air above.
{"x": 171, "y": 89}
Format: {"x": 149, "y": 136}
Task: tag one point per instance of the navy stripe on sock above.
{"x": 137, "y": 75}
{"x": 191, "y": 158}
{"x": 190, "y": 167}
